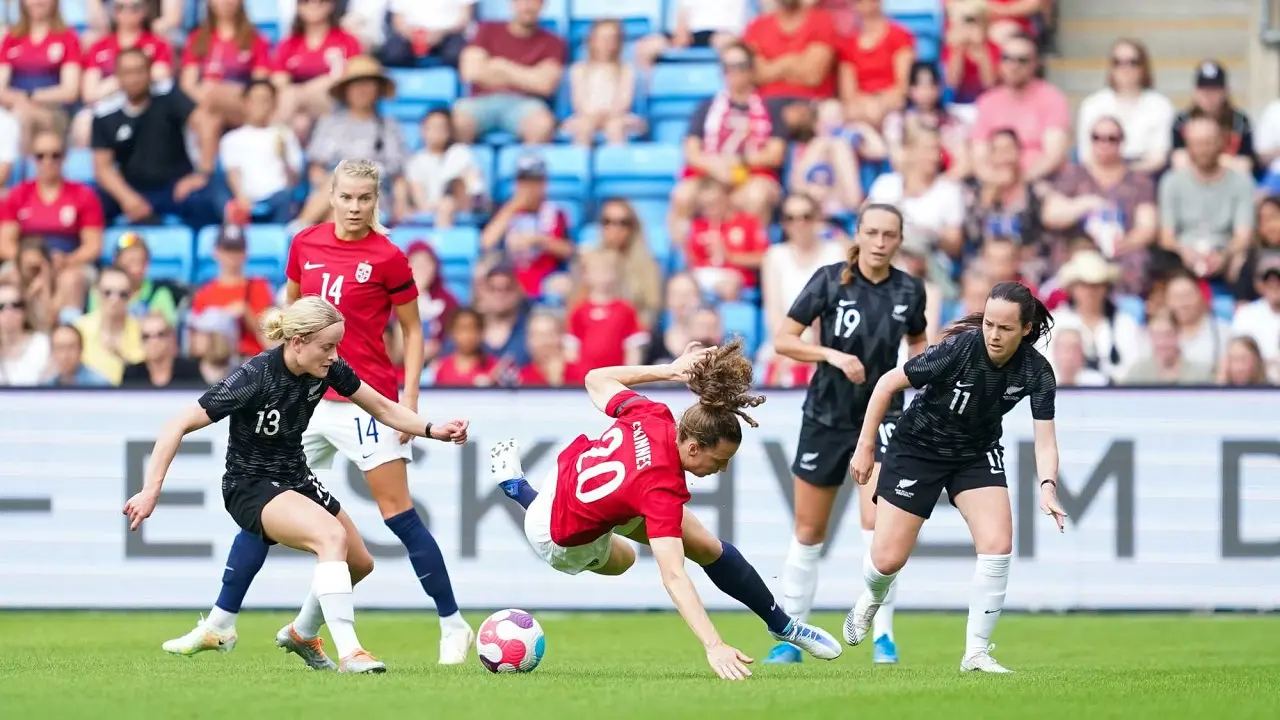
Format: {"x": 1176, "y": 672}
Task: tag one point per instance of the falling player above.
{"x": 866, "y": 307}
{"x": 949, "y": 438}
{"x": 630, "y": 482}
{"x": 268, "y": 489}
{"x": 351, "y": 263}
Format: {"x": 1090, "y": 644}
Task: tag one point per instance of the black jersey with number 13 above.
{"x": 961, "y": 411}
{"x": 866, "y": 320}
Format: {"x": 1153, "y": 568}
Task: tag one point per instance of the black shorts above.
{"x": 823, "y": 452}
{"x": 913, "y": 478}
{"x": 699, "y": 39}
{"x": 244, "y": 499}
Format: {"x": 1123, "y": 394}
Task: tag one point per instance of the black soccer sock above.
{"x": 739, "y": 580}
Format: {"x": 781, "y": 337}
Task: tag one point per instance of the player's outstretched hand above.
{"x": 864, "y": 458}
{"x": 1050, "y": 506}
{"x": 454, "y": 431}
{"x": 139, "y": 508}
{"x": 729, "y": 662}
{"x": 851, "y": 367}
{"x": 683, "y": 364}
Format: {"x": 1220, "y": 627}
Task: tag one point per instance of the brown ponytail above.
{"x": 721, "y": 380}
{"x": 846, "y": 275}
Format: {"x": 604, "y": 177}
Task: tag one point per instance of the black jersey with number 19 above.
{"x": 965, "y": 397}
{"x": 866, "y": 320}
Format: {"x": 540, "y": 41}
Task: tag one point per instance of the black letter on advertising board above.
{"x": 474, "y": 508}
{"x": 135, "y": 543}
{"x": 1116, "y": 463}
{"x": 1233, "y": 454}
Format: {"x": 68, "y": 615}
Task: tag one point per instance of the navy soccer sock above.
{"x": 519, "y": 490}
{"x": 248, "y": 552}
{"x": 427, "y": 561}
{"x": 739, "y": 580}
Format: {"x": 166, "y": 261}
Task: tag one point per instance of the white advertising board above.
{"x": 1174, "y": 499}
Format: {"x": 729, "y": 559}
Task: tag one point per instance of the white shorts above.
{"x": 568, "y": 560}
{"x": 342, "y": 427}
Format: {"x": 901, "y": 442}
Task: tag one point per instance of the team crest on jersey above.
{"x": 364, "y": 271}
{"x": 899, "y": 312}
{"x": 56, "y": 52}
{"x": 67, "y": 215}
{"x": 124, "y": 133}
{"x": 335, "y": 59}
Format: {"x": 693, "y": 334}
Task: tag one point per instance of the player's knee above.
{"x": 810, "y": 531}
{"x": 887, "y": 559}
{"x": 703, "y": 550}
{"x": 330, "y": 541}
{"x": 994, "y": 544}
{"x": 361, "y": 566}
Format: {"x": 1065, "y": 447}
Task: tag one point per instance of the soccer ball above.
{"x": 510, "y": 641}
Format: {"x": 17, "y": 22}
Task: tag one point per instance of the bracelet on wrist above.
{"x": 426, "y": 433}
{"x": 1054, "y": 483}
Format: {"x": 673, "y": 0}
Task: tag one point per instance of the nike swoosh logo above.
{"x": 964, "y": 385}
{"x": 847, "y": 303}
{"x": 366, "y": 457}
{"x": 424, "y": 576}
{"x": 312, "y": 266}
{"x": 992, "y": 611}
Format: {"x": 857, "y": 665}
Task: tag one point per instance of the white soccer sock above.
{"x": 332, "y": 588}
{"x": 878, "y": 584}
{"x": 452, "y": 622}
{"x": 883, "y": 622}
{"x": 221, "y": 619}
{"x": 800, "y": 578}
{"x": 986, "y": 600}
{"x": 310, "y": 618}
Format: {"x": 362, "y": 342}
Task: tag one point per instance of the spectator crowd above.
{"x": 1151, "y": 231}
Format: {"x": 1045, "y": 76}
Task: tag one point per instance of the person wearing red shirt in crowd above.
{"x": 220, "y": 56}
{"x": 468, "y": 365}
{"x": 436, "y": 305}
{"x": 874, "y": 66}
{"x": 604, "y": 328}
{"x": 548, "y": 365}
{"x": 630, "y": 483}
{"x": 351, "y": 264}
{"x": 1010, "y": 18}
{"x": 241, "y": 298}
{"x": 529, "y": 232}
{"x": 309, "y": 61}
{"x": 40, "y": 65}
{"x": 735, "y": 138}
{"x": 725, "y": 245}
{"x": 67, "y": 215}
{"x": 795, "y": 51}
{"x": 970, "y": 60}
{"x": 131, "y": 27}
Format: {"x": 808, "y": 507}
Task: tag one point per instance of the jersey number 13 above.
{"x": 614, "y": 469}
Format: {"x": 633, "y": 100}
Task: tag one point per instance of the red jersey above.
{"x": 59, "y": 221}
{"x": 532, "y": 376}
{"x": 449, "y": 374}
{"x": 632, "y": 470}
{"x": 225, "y": 60}
{"x": 739, "y": 234}
{"x": 874, "y": 66}
{"x": 364, "y": 279}
{"x": 303, "y": 62}
{"x": 38, "y": 64}
{"x": 102, "y": 55}
{"x": 766, "y": 37}
{"x": 533, "y": 265}
{"x": 970, "y": 86}
{"x": 603, "y": 332}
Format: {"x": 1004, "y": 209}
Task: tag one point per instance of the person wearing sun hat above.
{"x": 353, "y": 130}
{"x": 1112, "y": 339}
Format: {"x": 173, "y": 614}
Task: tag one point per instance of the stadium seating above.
{"x": 266, "y": 256}
{"x": 554, "y": 17}
{"x": 638, "y": 17}
{"x": 73, "y": 13}
{"x": 924, "y": 18}
{"x": 458, "y": 249}
{"x": 419, "y": 90}
{"x": 741, "y": 318}
{"x": 675, "y": 92}
{"x": 636, "y": 171}
{"x": 568, "y": 170}
{"x": 171, "y": 247}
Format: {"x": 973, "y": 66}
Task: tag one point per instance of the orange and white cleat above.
{"x": 360, "y": 661}
{"x": 311, "y": 651}
{"x": 204, "y": 636}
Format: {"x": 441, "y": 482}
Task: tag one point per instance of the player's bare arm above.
{"x": 728, "y": 662}
{"x": 1046, "y": 442}
{"x": 400, "y": 418}
{"x": 411, "y": 331}
{"x": 891, "y": 383}
{"x": 603, "y": 383}
{"x": 292, "y": 292}
{"x": 140, "y": 506}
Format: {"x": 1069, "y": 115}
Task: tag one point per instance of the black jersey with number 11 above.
{"x": 270, "y": 408}
{"x": 866, "y": 320}
{"x": 965, "y": 397}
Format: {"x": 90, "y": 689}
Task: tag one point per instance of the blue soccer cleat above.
{"x": 784, "y": 653}
{"x": 811, "y": 639}
{"x": 885, "y": 651}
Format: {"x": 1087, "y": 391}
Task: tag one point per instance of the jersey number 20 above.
{"x": 847, "y": 321}
{"x": 616, "y": 471}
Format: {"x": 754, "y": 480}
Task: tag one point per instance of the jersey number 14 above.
{"x": 331, "y": 290}
{"x": 614, "y": 469}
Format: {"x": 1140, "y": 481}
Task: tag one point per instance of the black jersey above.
{"x": 270, "y": 408}
{"x": 864, "y": 319}
{"x": 961, "y": 411}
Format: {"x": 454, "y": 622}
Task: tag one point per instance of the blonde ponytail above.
{"x": 307, "y": 316}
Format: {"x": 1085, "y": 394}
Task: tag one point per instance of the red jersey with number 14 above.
{"x": 364, "y": 279}
{"x": 632, "y": 470}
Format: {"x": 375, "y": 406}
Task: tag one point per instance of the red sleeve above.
{"x": 10, "y": 204}
{"x": 751, "y": 38}
{"x": 663, "y": 511}
{"x": 189, "y": 50}
{"x": 200, "y": 300}
{"x": 574, "y": 325}
{"x": 759, "y": 240}
{"x": 291, "y": 269}
{"x": 163, "y": 51}
{"x": 283, "y": 51}
{"x": 902, "y": 38}
{"x": 261, "y": 54}
{"x": 90, "y": 208}
{"x": 74, "y": 53}
{"x": 628, "y": 403}
{"x": 398, "y": 279}
{"x": 259, "y": 295}
{"x": 823, "y": 29}
{"x": 6, "y": 45}
{"x": 350, "y": 45}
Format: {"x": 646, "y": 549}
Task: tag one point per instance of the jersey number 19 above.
{"x": 847, "y": 321}
{"x": 613, "y": 468}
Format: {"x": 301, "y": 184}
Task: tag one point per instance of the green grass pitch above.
{"x": 623, "y": 666}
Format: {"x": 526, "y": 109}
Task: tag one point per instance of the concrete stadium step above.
{"x": 1165, "y": 38}
{"x": 1155, "y": 9}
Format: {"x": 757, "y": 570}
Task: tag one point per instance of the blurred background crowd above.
{"x": 580, "y": 183}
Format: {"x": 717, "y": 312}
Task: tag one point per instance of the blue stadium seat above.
{"x": 639, "y": 170}
{"x": 740, "y": 318}
{"x": 499, "y": 138}
{"x": 1133, "y": 306}
{"x": 421, "y": 89}
{"x": 675, "y": 91}
{"x": 412, "y": 131}
{"x": 267, "y": 252}
{"x": 265, "y": 15}
{"x": 638, "y": 17}
{"x": 652, "y": 212}
{"x": 568, "y": 170}
{"x": 73, "y": 13}
{"x": 554, "y": 16}
{"x": 1224, "y": 306}
{"x": 456, "y": 245}
{"x": 925, "y": 20}
{"x": 77, "y": 166}
{"x": 172, "y": 249}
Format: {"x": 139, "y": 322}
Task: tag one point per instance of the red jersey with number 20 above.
{"x": 364, "y": 279}
{"x": 632, "y": 470}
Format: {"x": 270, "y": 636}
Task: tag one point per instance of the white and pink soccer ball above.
{"x": 510, "y": 641}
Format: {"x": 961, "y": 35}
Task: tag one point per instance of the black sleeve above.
{"x": 1045, "y": 393}
{"x": 1179, "y": 142}
{"x": 812, "y": 301}
{"x": 100, "y": 136}
{"x": 778, "y": 129}
{"x": 698, "y": 122}
{"x": 135, "y": 375}
{"x": 1246, "y": 136}
{"x": 916, "y": 321}
{"x": 236, "y": 392}
{"x": 180, "y": 105}
{"x": 343, "y": 379}
{"x": 937, "y": 360}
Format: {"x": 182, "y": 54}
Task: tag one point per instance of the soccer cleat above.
{"x": 361, "y": 662}
{"x": 504, "y": 462}
{"x": 858, "y": 622}
{"x": 784, "y": 653}
{"x": 455, "y": 645}
{"x": 981, "y": 661}
{"x": 811, "y": 639}
{"x": 311, "y": 651}
{"x": 885, "y": 651}
{"x": 201, "y": 638}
